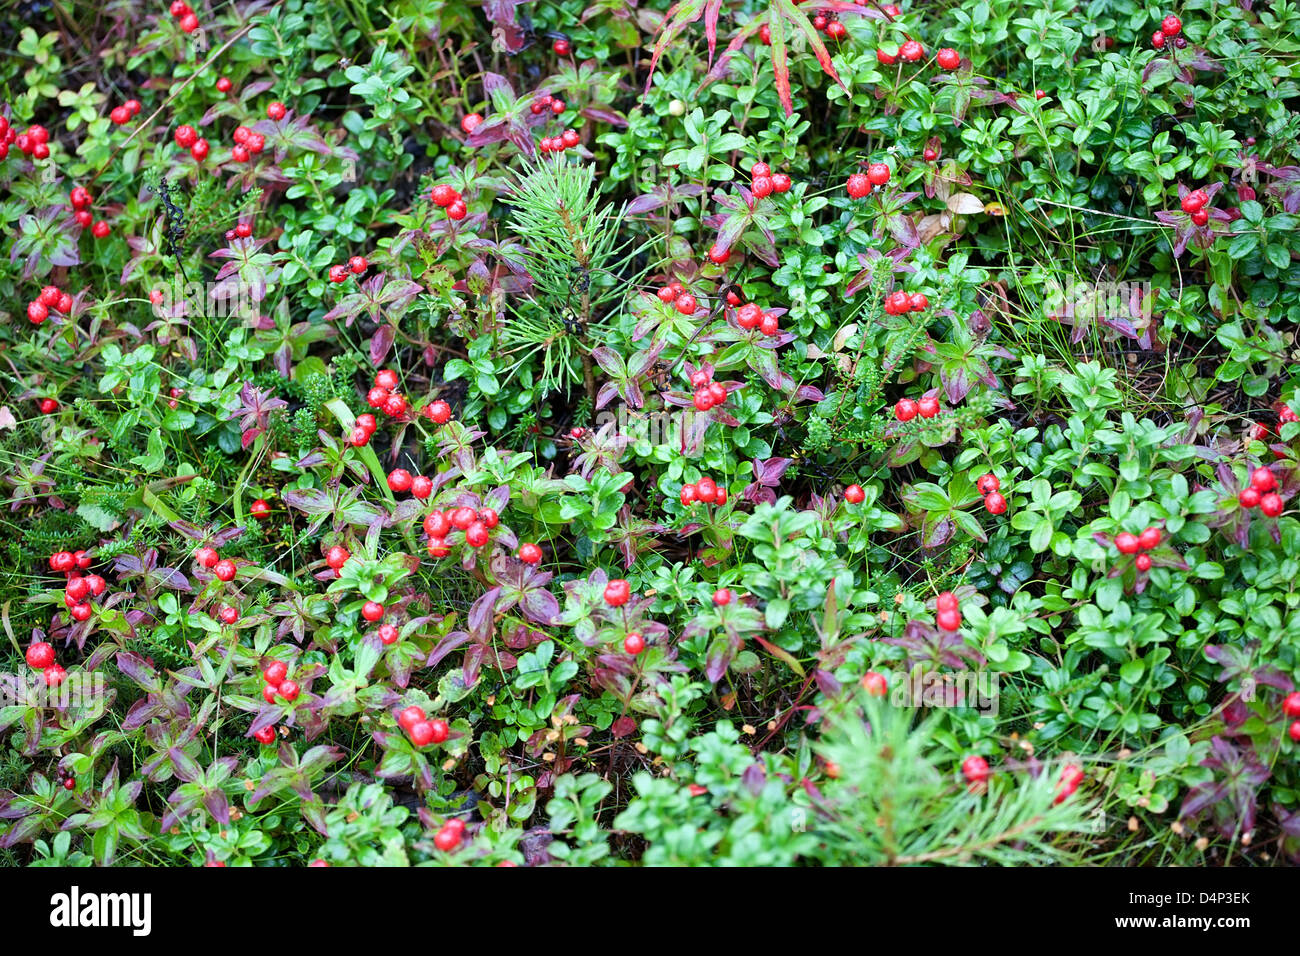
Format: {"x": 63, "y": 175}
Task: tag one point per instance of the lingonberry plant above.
{"x": 525, "y": 434}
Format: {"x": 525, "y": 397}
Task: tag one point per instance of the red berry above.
{"x": 200, "y": 150}
{"x": 769, "y": 324}
{"x": 224, "y": 570}
{"x": 918, "y": 302}
{"x": 275, "y": 673}
{"x": 722, "y": 597}
{"x": 765, "y": 35}
{"x": 440, "y": 731}
{"x": 186, "y": 136}
{"x": 634, "y": 644}
{"x": 457, "y": 210}
{"x": 97, "y": 584}
{"x": 928, "y": 406}
{"x": 359, "y": 438}
{"x": 884, "y": 58}
{"x": 988, "y": 483}
{"x": 410, "y": 716}
{"x": 1294, "y": 731}
{"x": 995, "y": 503}
{"x": 421, "y": 487}
{"x": 1142, "y": 562}
{"x": 84, "y": 218}
{"x": 476, "y": 535}
{"x": 241, "y": 134}
{"x": 421, "y": 735}
{"x": 54, "y": 675}
{"x": 945, "y": 601}
{"x": 100, "y": 229}
{"x": 388, "y": 634}
{"x": 1195, "y": 200}
{"x": 77, "y": 588}
{"x": 447, "y": 839}
{"x": 836, "y": 30}
{"x": 394, "y": 405}
{"x": 239, "y": 154}
{"x": 223, "y": 84}
{"x": 781, "y": 183}
{"x": 260, "y": 509}
{"x": 438, "y": 547}
{"x": 530, "y": 553}
{"x": 40, "y": 655}
{"x": 1263, "y": 480}
{"x": 269, "y": 691}
{"x": 462, "y": 518}
{"x": 948, "y": 620}
{"x": 444, "y": 195}
{"x": 905, "y": 410}
{"x": 1126, "y": 543}
{"x": 189, "y": 23}
{"x": 275, "y": 111}
{"x": 1150, "y": 538}
{"x": 1291, "y": 705}
{"x": 878, "y": 174}
{"x": 1249, "y": 497}
{"x": 119, "y": 115}
{"x": 749, "y": 316}
{"x": 228, "y": 615}
{"x": 561, "y": 47}
{"x": 470, "y": 123}
{"x": 617, "y": 592}
{"x": 489, "y": 517}
{"x": 37, "y": 312}
{"x": 718, "y": 255}
{"x": 1271, "y": 504}
{"x": 439, "y": 412}
{"x": 948, "y": 58}
{"x": 265, "y": 736}
{"x": 1171, "y": 25}
{"x": 570, "y": 138}
{"x": 975, "y": 769}
{"x": 207, "y": 557}
{"x": 874, "y": 684}
{"x": 761, "y": 186}
{"x": 854, "y": 494}
{"x": 437, "y": 525}
{"x": 686, "y": 304}
{"x": 243, "y": 229}
{"x": 911, "y": 51}
{"x": 706, "y": 490}
{"x": 760, "y": 169}
{"x": 80, "y": 197}
{"x": 399, "y": 479}
{"x": 858, "y": 186}
{"x": 372, "y": 611}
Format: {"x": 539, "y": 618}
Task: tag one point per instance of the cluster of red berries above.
{"x": 1195, "y": 204}
{"x": 187, "y": 137}
{"x": 552, "y": 103}
{"x": 78, "y": 590}
{"x": 341, "y": 272}
{"x": 420, "y": 729}
{"x": 49, "y": 299}
{"x": 384, "y": 397}
{"x": 40, "y": 657}
{"x": 449, "y": 835}
{"x": 1170, "y": 32}
{"x": 182, "y": 12}
{"x": 948, "y": 614}
{"x": 34, "y": 143}
{"x": 569, "y": 139}
{"x": 905, "y": 409}
{"x": 121, "y": 115}
{"x": 81, "y": 199}
{"x": 900, "y": 303}
{"x": 276, "y": 683}
{"x": 676, "y": 294}
{"x": 1291, "y": 708}
{"x": 751, "y": 316}
{"x": 860, "y": 184}
{"x": 448, "y": 198}
{"x": 1068, "y": 782}
{"x": 909, "y": 52}
{"x": 400, "y": 480}
{"x": 764, "y": 182}
{"x": 223, "y": 568}
{"x": 1139, "y": 544}
{"x": 706, "y": 491}
{"x": 828, "y": 23}
{"x": 477, "y": 526}
{"x": 241, "y": 230}
{"x": 708, "y": 393}
{"x": 173, "y": 397}
{"x": 1262, "y": 493}
{"x": 247, "y": 143}
{"x": 989, "y": 486}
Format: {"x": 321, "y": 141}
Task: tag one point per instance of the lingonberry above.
{"x": 988, "y": 483}
{"x": 634, "y": 644}
{"x": 722, "y": 597}
{"x": 905, "y": 409}
{"x": 337, "y": 556}
{"x": 100, "y": 229}
{"x": 686, "y": 304}
{"x": 911, "y": 51}
{"x": 1263, "y": 480}
{"x": 372, "y": 611}
{"x": 186, "y": 136}
{"x": 561, "y": 47}
{"x": 530, "y": 554}
{"x": 1171, "y": 25}
{"x": 421, "y": 487}
{"x": 265, "y": 736}
{"x": 1271, "y": 504}
{"x": 1142, "y": 562}
{"x": 1249, "y": 497}
{"x": 1150, "y": 538}
{"x": 224, "y": 570}
{"x": 854, "y": 494}
{"x": 995, "y": 503}
{"x": 858, "y": 186}
{"x": 260, "y": 509}
{"x": 388, "y": 634}
{"x": 874, "y": 683}
{"x": 928, "y": 406}
{"x": 878, "y": 174}
{"x": 948, "y": 58}
{"x": 1126, "y": 543}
